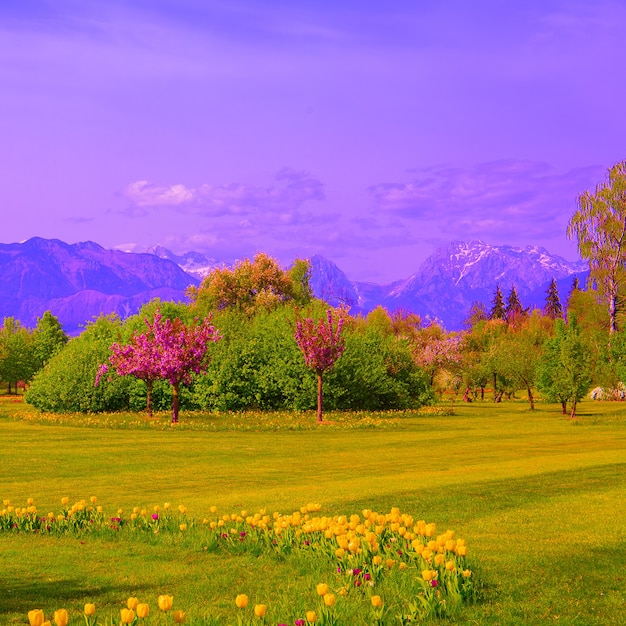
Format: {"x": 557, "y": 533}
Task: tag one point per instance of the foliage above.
{"x": 252, "y": 285}
{"x": 48, "y": 338}
{"x": 553, "y": 308}
{"x": 321, "y": 344}
{"x": 16, "y": 361}
{"x": 565, "y": 371}
{"x": 498, "y": 309}
{"x": 599, "y": 226}
{"x": 168, "y": 350}
{"x": 514, "y": 306}
{"x": 66, "y": 383}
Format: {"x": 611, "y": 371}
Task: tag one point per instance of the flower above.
{"x": 132, "y": 603}
{"x": 179, "y": 616}
{"x": 241, "y": 601}
{"x": 260, "y": 610}
{"x": 322, "y": 589}
{"x": 183, "y": 527}
{"x": 127, "y": 616}
{"x": 329, "y": 599}
{"x": 89, "y": 609}
{"x": 377, "y": 601}
{"x": 165, "y": 602}
{"x": 143, "y": 610}
{"x": 427, "y": 574}
{"x": 36, "y": 617}
{"x": 60, "y": 617}
{"x": 311, "y": 617}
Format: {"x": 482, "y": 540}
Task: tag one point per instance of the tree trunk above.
{"x": 495, "y": 391}
{"x": 564, "y": 408}
{"x": 531, "y": 399}
{"x": 482, "y": 393}
{"x": 573, "y": 413}
{"x": 149, "y": 397}
{"x": 319, "y": 397}
{"x": 175, "y": 403}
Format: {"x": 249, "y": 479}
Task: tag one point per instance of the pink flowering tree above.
{"x": 321, "y": 344}
{"x": 169, "y": 350}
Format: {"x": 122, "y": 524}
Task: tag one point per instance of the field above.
{"x": 540, "y": 500}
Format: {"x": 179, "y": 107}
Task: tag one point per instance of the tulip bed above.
{"x": 381, "y": 568}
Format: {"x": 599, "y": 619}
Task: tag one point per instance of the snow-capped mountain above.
{"x": 77, "y": 282}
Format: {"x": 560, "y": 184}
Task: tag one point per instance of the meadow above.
{"x": 539, "y": 499}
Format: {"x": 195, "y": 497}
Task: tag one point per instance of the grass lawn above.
{"x": 540, "y": 500}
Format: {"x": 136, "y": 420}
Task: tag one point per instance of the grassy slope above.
{"x": 541, "y": 501}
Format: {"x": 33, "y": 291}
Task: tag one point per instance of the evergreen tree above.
{"x": 553, "y": 308}
{"x": 514, "y": 306}
{"x": 498, "y": 311}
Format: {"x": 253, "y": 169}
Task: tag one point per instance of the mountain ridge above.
{"x": 79, "y": 281}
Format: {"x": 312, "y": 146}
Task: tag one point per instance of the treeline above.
{"x": 390, "y": 361}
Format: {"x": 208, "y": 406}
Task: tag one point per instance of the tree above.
{"x": 553, "y": 308}
{"x": 168, "y": 350}
{"x": 321, "y": 344}
{"x": 251, "y": 285}
{"x": 498, "y": 310}
{"x": 564, "y": 373}
{"x": 16, "y": 361}
{"x": 514, "y": 308}
{"x": 48, "y": 338}
{"x": 477, "y": 313}
{"x": 599, "y": 226}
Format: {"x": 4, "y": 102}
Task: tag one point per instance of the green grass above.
{"x": 539, "y": 498}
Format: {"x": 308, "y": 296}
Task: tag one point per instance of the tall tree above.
{"x": 48, "y": 338}
{"x": 514, "y": 306}
{"x": 564, "y": 372}
{"x": 498, "y": 310}
{"x": 16, "y": 360}
{"x": 321, "y": 344}
{"x": 553, "y": 308}
{"x": 599, "y": 226}
{"x": 251, "y": 285}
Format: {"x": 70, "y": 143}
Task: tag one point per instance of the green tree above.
{"x": 514, "y": 308}
{"x": 498, "y": 310}
{"x": 553, "y": 308}
{"x": 564, "y": 372}
{"x": 599, "y": 226}
{"x": 16, "y": 353}
{"x": 66, "y": 383}
{"x": 48, "y": 338}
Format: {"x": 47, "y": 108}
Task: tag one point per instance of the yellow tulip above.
{"x": 467, "y": 573}
{"x": 47, "y": 623}
{"x": 143, "y": 610}
{"x": 377, "y": 601}
{"x": 427, "y": 574}
{"x": 461, "y": 550}
{"x": 179, "y": 617}
{"x": 311, "y": 617}
{"x": 89, "y": 609}
{"x": 241, "y": 601}
{"x": 132, "y": 603}
{"x": 377, "y": 560}
{"x": 165, "y": 602}
{"x": 36, "y": 617}
{"x": 322, "y": 589}
{"x": 65, "y": 500}
{"x": 60, "y": 617}
{"x": 329, "y": 599}
{"x": 30, "y": 502}
{"x": 183, "y": 527}
{"x": 260, "y": 610}
{"x": 93, "y": 499}
{"x": 127, "y": 616}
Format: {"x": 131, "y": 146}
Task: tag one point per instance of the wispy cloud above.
{"x": 495, "y": 198}
{"x": 284, "y": 198}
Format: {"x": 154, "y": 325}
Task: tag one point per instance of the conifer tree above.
{"x": 553, "y": 308}
{"x": 498, "y": 311}
{"x": 513, "y": 305}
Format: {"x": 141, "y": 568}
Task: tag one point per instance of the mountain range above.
{"x": 78, "y": 282}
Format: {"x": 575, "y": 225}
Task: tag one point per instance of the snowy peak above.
{"x": 194, "y": 263}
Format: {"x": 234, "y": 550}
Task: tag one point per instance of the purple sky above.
{"x": 371, "y": 133}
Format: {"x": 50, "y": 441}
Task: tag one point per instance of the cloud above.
{"x": 499, "y": 198}
{"x": 284, "y": 199}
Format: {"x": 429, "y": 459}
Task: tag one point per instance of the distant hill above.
{"x": 80, "y": 281}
